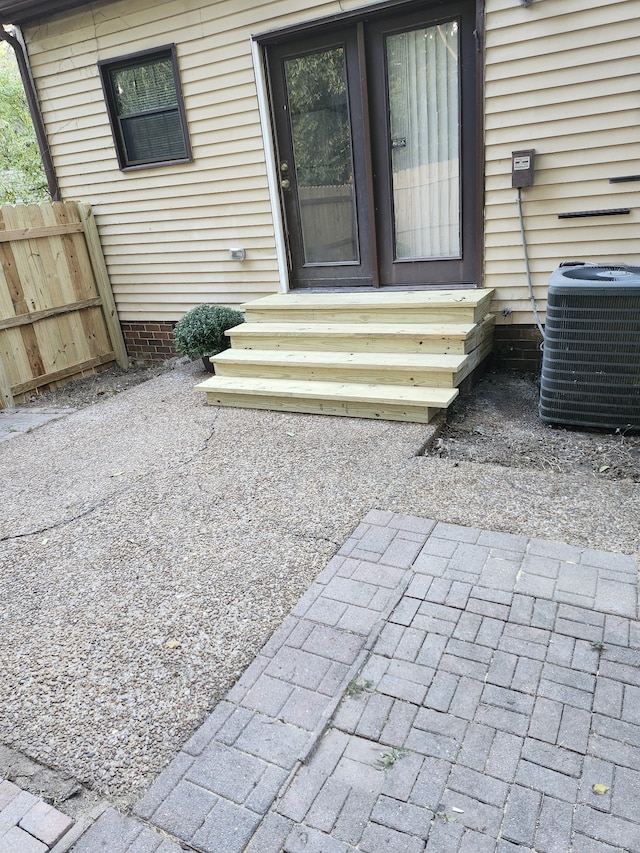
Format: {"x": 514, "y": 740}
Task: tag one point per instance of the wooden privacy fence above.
{"x": 57, "y": 313}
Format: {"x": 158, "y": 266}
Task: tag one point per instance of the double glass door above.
{"x": 376, "y": 139}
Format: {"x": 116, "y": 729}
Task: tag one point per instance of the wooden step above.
{"x": 384, "y": 402}
{"x": 431, "y": 370}
{"x": 449, "y": 338}
{"x": 442, "y": 306}
{"x": 390, "y": 355}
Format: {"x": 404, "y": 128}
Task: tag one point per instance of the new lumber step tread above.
{"x": 313, "y": 358}
{"x": 456, "y": 331}
{"x": 387, "y": 395}
{"x": 410, "y": 299}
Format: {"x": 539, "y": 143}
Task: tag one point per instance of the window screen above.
{"x": 146, "y": 109}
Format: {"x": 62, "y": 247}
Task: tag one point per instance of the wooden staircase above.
{"x": 393, "y": 356}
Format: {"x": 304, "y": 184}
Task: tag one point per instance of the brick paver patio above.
{"x": 27, "y": 824}
{"x": 439, "y": 689}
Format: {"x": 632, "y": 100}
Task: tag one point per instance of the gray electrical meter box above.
{"x": 522, "y": 168}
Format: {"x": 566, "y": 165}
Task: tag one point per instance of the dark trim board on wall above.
{"x": 364, "y": 13}
{"x": 580, "y": 214}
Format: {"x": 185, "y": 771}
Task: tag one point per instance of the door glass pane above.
{"x": 423, "y": 81}
{"x": 321, "y": 135}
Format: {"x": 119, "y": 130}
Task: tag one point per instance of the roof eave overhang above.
{"x": 28, "y": 12}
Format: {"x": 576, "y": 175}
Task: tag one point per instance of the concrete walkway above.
{"x": 439, "y": 688}
{"x": 14, "y": 422}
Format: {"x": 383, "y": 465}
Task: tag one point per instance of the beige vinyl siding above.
{"x": 562, "y": 77}
{"x": 166, "y": 231}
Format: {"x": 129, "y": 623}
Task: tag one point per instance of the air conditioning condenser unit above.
{"x": 591, "y": 355}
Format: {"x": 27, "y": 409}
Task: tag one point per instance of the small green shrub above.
{"x": 201, "y": 332}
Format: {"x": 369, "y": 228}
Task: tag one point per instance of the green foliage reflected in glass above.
{"x": 149, "y": 86}
{"x": 319, "y": 113}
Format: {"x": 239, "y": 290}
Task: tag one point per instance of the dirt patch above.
{"x": 498, "y": 422}
{"x": 91, "y": 389}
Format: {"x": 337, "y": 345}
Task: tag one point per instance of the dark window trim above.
{"x": 105, "y": 66}
{"x": 340, "y": 19}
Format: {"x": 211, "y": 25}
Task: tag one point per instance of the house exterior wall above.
{"x": 561, "y": 76}
{"x": 166, "y": 231}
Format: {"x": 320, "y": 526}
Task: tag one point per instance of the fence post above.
{"x": 6, "y": 397}
{"x": 103, "y": 284}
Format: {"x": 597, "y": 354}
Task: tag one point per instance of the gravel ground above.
{"x": 150, "y": 544}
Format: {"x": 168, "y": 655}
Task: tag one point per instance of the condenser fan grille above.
{"x": 591, "y": 356}
{"x": 591, "y": 272}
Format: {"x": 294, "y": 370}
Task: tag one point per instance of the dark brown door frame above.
{"x": 368, "y": 163}
{"x": 345, "y": 274}
{"x": 478, "y": 34}
{"x": 359, "y": 16}
{"x": 434, "y": 272}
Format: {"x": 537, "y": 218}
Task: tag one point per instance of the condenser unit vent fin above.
{"x": 591, "y": 356}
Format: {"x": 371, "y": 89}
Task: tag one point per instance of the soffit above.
{"x": 21, "y": 12}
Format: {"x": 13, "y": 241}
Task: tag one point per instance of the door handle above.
{"x": 285, "y": 183}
